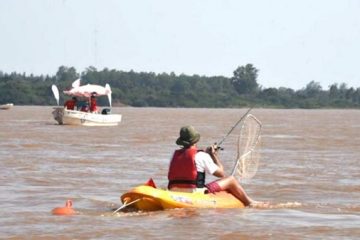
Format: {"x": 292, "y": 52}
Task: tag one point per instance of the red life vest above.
{"x": 70, "y": 104}
{"x": 182, "y": 170}
{"x": 93, "y": 107}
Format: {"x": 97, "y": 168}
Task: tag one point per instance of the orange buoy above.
{"x": 67, "y": 210}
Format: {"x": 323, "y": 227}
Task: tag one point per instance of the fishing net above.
{"x": 247, "y": 156}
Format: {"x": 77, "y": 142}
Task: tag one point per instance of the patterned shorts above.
{"x": 213, "y": 187}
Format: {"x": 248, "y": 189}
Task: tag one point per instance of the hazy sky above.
{"x": 291, "y": 42}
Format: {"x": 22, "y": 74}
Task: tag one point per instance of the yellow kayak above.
{"x": 150, "y": 198}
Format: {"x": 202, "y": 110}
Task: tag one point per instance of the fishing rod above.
{"x": 232, "y": 129}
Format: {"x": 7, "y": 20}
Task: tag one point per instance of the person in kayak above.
{"x": 188, "y": 167}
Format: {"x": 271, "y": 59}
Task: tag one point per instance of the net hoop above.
{"x": 247, "y": 159}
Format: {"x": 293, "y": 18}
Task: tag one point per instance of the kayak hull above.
{"x": 148, "y": 198}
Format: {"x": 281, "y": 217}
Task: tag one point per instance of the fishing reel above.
{"x": 216, "y": 148}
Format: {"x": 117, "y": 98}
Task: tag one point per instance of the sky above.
{"x": 291, "y": 43}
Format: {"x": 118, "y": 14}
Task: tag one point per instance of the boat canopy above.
{"x": 88, "y": 90}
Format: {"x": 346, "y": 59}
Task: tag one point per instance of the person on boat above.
{"x": 189, "y": 164}
{"x": 84, "y": 107}
{"x": 71, "y": 103}
{"x": 93, "y": 104}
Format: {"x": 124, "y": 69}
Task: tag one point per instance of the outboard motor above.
{"x": 106, "y": 111}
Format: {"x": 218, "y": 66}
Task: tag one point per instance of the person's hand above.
{"x": 212, "y": 150}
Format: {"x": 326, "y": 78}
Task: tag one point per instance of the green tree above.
{"x": 333, "y": 91}
{"x": 312, "y": 89}
{"x": 245, "y": 79}
{"x": 66, "y": 74}
{"x": 170, "y": 90}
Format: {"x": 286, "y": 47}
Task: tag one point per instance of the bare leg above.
{"x": 231, "y": 185}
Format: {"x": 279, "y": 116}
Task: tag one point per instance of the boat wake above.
{"x": 267, "y": 205}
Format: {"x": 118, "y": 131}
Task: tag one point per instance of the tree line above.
{"x": 148, "y": 89}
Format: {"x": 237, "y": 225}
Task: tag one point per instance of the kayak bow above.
{"x": 148, "y": 198}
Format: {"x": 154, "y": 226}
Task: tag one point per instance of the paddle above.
{"x": 55, "y": 91}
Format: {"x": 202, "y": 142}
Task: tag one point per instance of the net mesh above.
{"x": 247, "y": 156}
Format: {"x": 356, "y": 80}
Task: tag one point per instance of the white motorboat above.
{"x": 74, "y": 117}
{"x": 85, "y": 118}
{"x": 6, "y": 106}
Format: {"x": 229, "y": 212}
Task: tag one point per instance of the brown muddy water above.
{"x": 309, "y": 171}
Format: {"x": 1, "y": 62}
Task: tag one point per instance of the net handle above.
{"x": 233, "y": 127}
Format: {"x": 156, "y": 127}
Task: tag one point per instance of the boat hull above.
{"x": 73, "y": 117}
{"x": 6, "y": 106}
{"x": 148, "y": 198}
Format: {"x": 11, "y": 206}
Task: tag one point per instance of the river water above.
{"x": 309, "y": 171}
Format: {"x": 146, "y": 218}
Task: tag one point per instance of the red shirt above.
{"x": 93, "y": 107}
{"x": 70, "y": 104}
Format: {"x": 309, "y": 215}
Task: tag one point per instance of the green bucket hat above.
{"x": 188, "y": 136}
